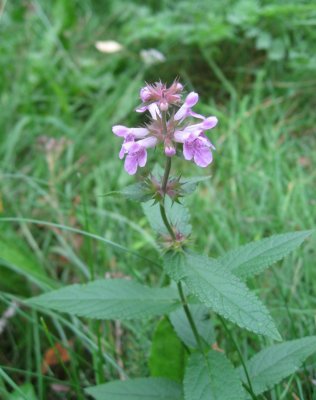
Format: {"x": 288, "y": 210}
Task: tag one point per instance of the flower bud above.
{"x": 163, "y": 105}
{"x": 170, "y": 150}
{"x": 144, "y": 94}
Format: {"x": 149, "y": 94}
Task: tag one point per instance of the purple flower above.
{"x": 198, "y": 148}
{"x": 129, "y": 135}
{"x": 196, "y": 145}
{"x": 136, "y": 154}
{"x": 167, "y": 127}
{"x": 185, "y": 110}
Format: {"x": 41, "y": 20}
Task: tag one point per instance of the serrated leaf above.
{"x": 201, "y": 317}
{"x": 212, "y": 377}
{"x": 110, "y": 299}
{"x": 136, "y": 192}
{"x": 167, "y": 355}
{"x": 254, "y": 257}
{"x": 271, "y": 365}
{"x": 136, "y": 389}
{"x": 188, "y": 185}
{"x": 178, "y": 216}
{"x": 220, "y": 290}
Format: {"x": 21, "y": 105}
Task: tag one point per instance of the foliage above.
{"x": 202, "y": 319}
{"x": 178, "y": 214}
{"x": 147, "y": 388}
{"x": 109, "y": 299}
{"x": 272, "y": 364}
{"x": 253, "y": 64}
{"x": 221, "y": 291}
{"x": 256, "y": 256}
{"x": 208, "y": 376}
{"x": 167, "y": 356}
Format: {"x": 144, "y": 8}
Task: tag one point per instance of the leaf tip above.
{"x": 277, "y": 336}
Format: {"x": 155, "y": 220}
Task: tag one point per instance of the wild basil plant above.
{"x": 201, "y": 289}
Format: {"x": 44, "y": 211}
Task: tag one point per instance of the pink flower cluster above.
{"x": 169, "y": 125}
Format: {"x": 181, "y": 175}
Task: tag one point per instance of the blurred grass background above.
{"x": 253, "y": 64}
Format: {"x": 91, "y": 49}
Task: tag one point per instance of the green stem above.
{"x": 170, "y": 230}
{"x": 166, "y": 222}
{"x": 190, "y": 318}
{"x": 162, "y": 205}
{"x": 249, "y": 387}
{"x": 166, "y": 176}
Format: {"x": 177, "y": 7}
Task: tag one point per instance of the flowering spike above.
{"x": 168, "y": 126}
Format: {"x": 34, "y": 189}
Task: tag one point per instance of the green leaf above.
{"x": 220, "y": 290}
{"x": 136, "y": 389}
{"x": 178, "y": 216}
{"x": 167, "y": 356}
{"x": 211, "y": 377}
{"x": 274, "y": 363}
{"x": 137, "y": 192}
{"x": 109, "y": 299}
{"x": 254, "y": 257}
{"x": 201, "y": 317}
{"x": 188, "y": 185}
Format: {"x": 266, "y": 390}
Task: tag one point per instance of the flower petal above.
{"x": 154, "y": 111}
{"x": 141, "y": 109}
{"x": 139, "y": 133}
{"x": 122, "y": 152}
{"x": 120, "y": 130}
{"x": 191, "y": 99}
{"x": 150, "y": 141}
{"x": 188, "y": 150}
{"x": 196, "y": 115}
{"x": 142, "y": 157}
{"x": 131, "y": 164}
{"x": 209, "y": 123}
{"x": 203, "y": 157}
{"x": 181, "y": 136}
{"x": 181, "y": 113}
